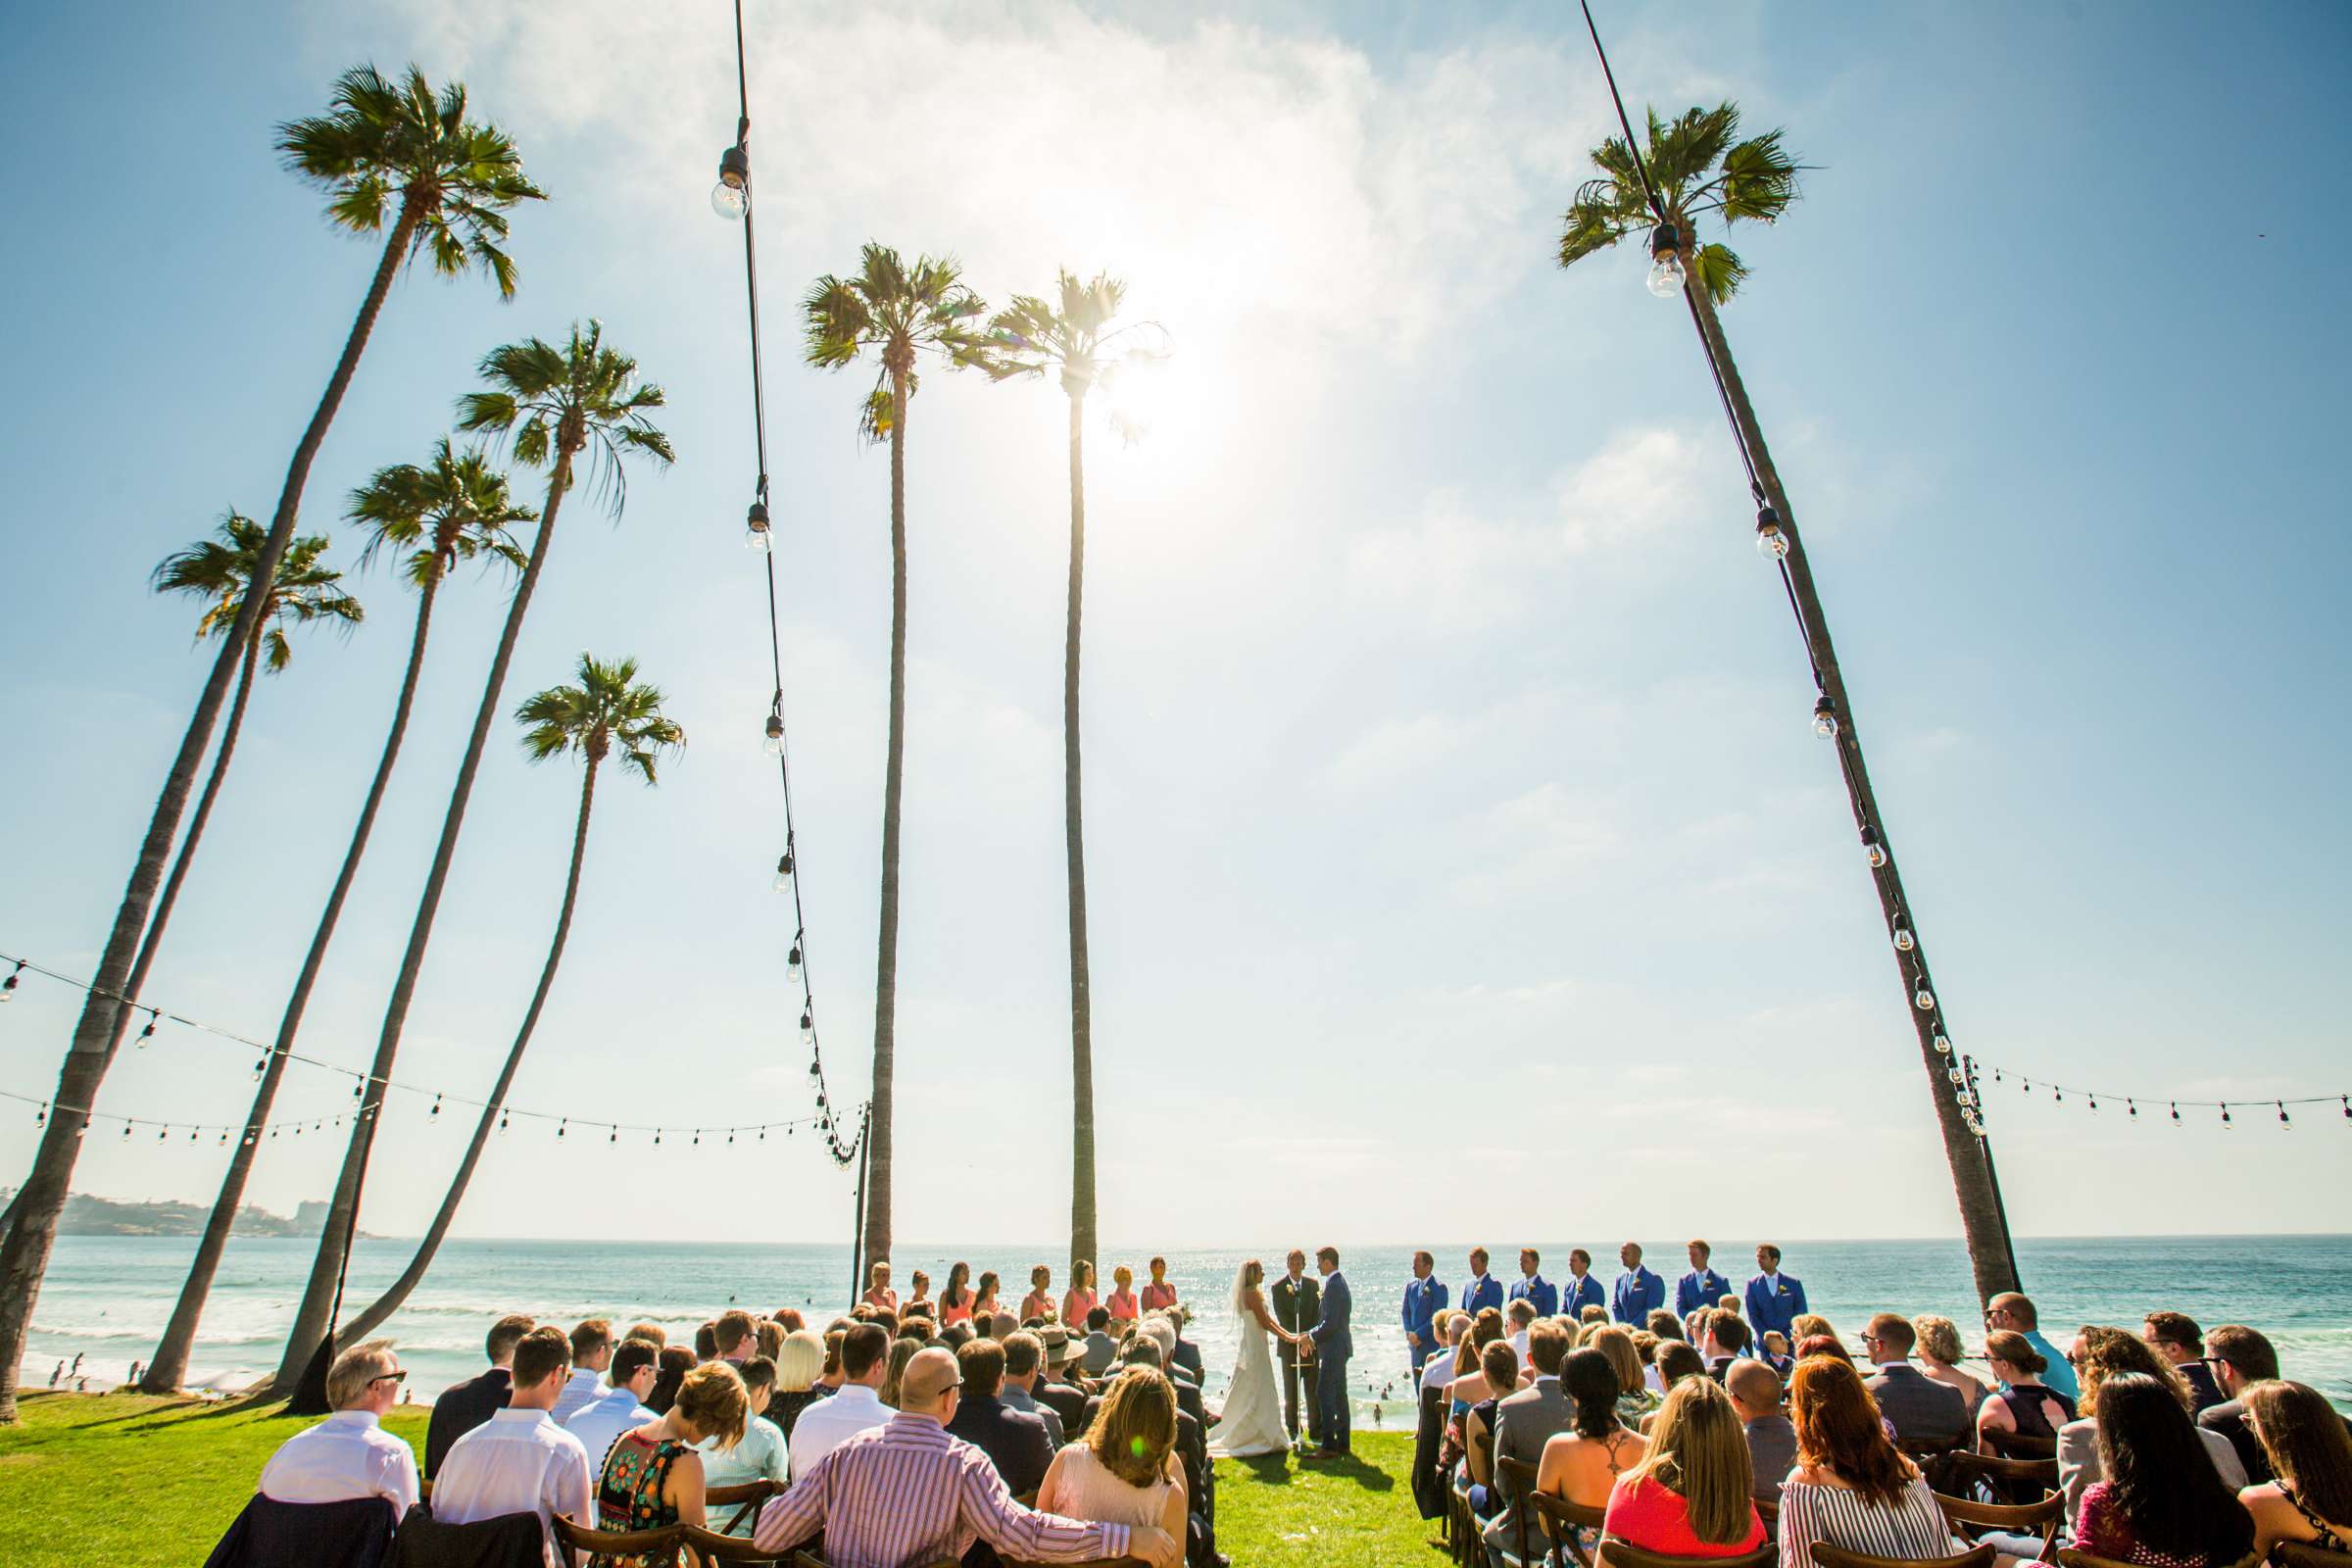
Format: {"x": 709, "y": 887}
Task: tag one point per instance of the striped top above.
{"x": 907, "y": 1492}
{"x": 1914, "y": 1528}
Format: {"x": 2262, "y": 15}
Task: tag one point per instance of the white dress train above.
{"x": 1252, "y": 1422}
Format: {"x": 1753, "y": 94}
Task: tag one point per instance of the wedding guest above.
{"x": 1424, "y": 1301}
{"x": 1775, "y": 1347}
{"x": 1497, "y": 1375}
{"x": 956, "y": 1297}
{"x": 1533, "y": 1286}
{"x": 1813, "y": 1344}
{"x": 1517, "y": 1319}
{"x": 1079, "y": 1301}
{"x": 1925, "y": 1412}
{"x": 857, "y": 1408}
{"x": 1582, "y": 1295}
{"x": 2099, "y": 1353}
{"x": 1122, "y": 1303}
{"x": 910, "y": 1492}
{"x": 1024, "y": 1365}
{"x": 2305, "y": 1447}
{"x": 1689, "y": 1495}
{"x": 984, "y": 1299}
{"x": 591, "y": 1354}
{"x": 1014, "y": 1441}
{"x": 1773, "y": 1300}
{"x": 829, "y": 1381}
{"x": 1583, "y": 1462}
{"x": 620, "y": 1408}
{"x": 2015, "y": 1312}
{"x": 1038, "y": 1304}
{"x": 518, "y": 1461}
{"x": 1676, "y": 1362}
{"x": 1484, "y": 1290}
{"x": 799, "y": 1364}
{"x": 791, "y": 1319}
{"x": 1756, "y": 1391}
{"x": 2023, "y": 1404}
{"x": 1807, "y": 1324}
{"x": 1665, "y": 1325}
{"x": 737, "y": 1337}
{"x": 2156, "y": 1503}
{"x": 761, "y": 1454}
{"x": 349, "y": 1454}
{"x": 652, "y": 1333}
{"x": 1639, "y": 1292}
{"x": 1471, "y": 1384}
{"x": 770, "y": 1338}
{"x": 2242, "y": 1358}
{"x": 1634, "y": 1398}
{"x": 918, "y": 1299}
{"x": 902, "y": 1352}
{"x": 1702, "y": 1287}
{"x": 463, "y": 1406}
{"x": 1437, "y": 1371}
{"x": 1525, "y": 1423}
{"x": 2176, "y": 1336}
{"x": 1159, "y": 1295}
{"x": 1100, "y": 1348}
{"x": 1722, "y": 1339}
{"x": 1124, "y": 1470}
{"x": 654, "y": 1476}
{"x": 676, "y": 1362}
{"x": 1939, "y": 1352}
{"x": 1851, "y": 1486}
{"x": 705, "y": 1342}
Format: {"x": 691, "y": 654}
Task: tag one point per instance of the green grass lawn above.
{"x": 129, "y": 1478}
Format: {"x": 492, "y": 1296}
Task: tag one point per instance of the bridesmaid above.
{"x": 1039, "y": 1302}
{"x": 984, "y": 1303}
{"x": 955, "y": 1297}
{"x": 918, "y": 1299}
{"x": 1081, "y": 1298}
{"x": 1159, "y": 1295}
{"x": 1121, "y": 1300}
{"x": 877, "y": 1288}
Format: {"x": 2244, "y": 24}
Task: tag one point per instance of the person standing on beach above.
{"x": 1639, "y": 1292}
{"x": 1424, "y": 1299}
{"x": 1702, "y": 1287}
{"x": 1297, "y": 1302}
{"x": 1159, "y": 1295}
{"x": 1484, "y": 1290}
{"x": 1776, "y": 1300}
{"x": 55, "y": 1374}
{"x": 1534, "y": 1287}
{"x": 1328, "y": 1342}
{"x": 1582, "y": 1289}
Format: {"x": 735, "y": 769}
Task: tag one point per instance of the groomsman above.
{"x": 1484, "y": 1290}
{"x": 1531, "y": 1286}
{"x": 1582, "y": 1289}
{"x": 1701, "y": 1286}
{"x": 1774, "y": 1299}
{"x": 1424, "y": 1299}
{"x": 1639, "y": 1292}
{"x": 1297, "y": 1305}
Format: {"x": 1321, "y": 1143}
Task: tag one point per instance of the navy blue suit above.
{"x": 1770, "y": 1310}
{"x": 1699, "y": 1287}
{"x": 1482, "y": 1292}
{"x": 1424, "y": 1299}
{"x": 1332, "y": 1347}
{"x": 1579, "y": 1294}
{"x": 1639, "y": 1292}
{"x": 1539, "y": 1290}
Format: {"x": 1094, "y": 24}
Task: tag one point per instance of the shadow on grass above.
{"x": 1370, "y": 1477}
{"x": 170, "y": 1415}
{"x": 1268, "y": 1469}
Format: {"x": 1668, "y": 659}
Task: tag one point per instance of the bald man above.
{"x": 1756, "y": 1391}
{"x": 910, "y": 1493}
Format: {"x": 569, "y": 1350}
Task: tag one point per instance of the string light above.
{"x": 1666, "y": 274}
{"x": 1904, "y": 940}
{"x": 1873, "y": 851}
{"x": 1771, "y": 541}
{"x": 147, "y": 1033}
{"x": 783, "y": 881}
{"x": 1923, "y": 997}
{"x": 1943, "y": 1047}
{"x": 1824, "y": 717}
{"x": 773, "y": 745}
{"x": 754, "y": 531}
{"x": 8, "y": 987}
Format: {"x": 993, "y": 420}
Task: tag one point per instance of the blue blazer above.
{"x": 1577, "y": 1294}
{"x": 1639, "y": 1292}
{"x": 1699, "y": 1287}
{"x": 1479, "y": 1295}
{"x": 1539, "y": 1290}
{"x": 1770, "y": 1310}
{"x": 1330, "y": 1332}
{"x": 1424, "y": 1299}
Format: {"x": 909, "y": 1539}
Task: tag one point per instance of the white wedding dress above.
{"x": 1252, "y": 1422}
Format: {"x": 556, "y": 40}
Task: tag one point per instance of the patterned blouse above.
{"x": 2101, "y": 1530}
{"x": 635, "y": 1473}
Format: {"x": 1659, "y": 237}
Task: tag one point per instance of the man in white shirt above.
{"x": 1438, "y": 1370}
{"x": 591, "y": 1354}
{"x": 519, "y": 1461}
{"x": 1521, "y": 1316}
{"x": 349, "y": 1454}
{"x": 829, "y": 1423}
{"x": 621, "y": 1407}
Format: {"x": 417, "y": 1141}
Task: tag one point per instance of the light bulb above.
{"x": 561, "y": 1127}
{"x": 8, "y": 987}
{"x": 1924, "y": 998}
{"x": 85, "y": 1128}
{"x": 502, "y": 1121}
{"x": 808, "y": 1035}
{"x": 754, "y": 526}
{"x": 259, "y": 1068}
{"x": 1904, "y": 940}
{"x": 1770, "y": 540}
{"x": 1943, "y": 1047}
{"x": 775, "y": 743}
{"x": 783, "y": 881}
{"x": 1824, "y": 719}
{"x": 1874, "y": 853}
{"x": 792, "y": 965}
{"x": 1955, "y": 1076}
{"x": 146, "y": 1035}
{"x": 731, "y": 197}
{"x": 1666, "y": 275}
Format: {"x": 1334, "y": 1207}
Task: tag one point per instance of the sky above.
{"x": 1461, "y": 861}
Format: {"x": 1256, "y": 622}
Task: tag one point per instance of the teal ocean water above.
{"x": 107, "y": 1298}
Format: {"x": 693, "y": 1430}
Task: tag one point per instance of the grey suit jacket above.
{"x": 1922, "y": 1409}
{"x": 1771, "y": 1456}
{"x": 1021, "y": 1399}
{"x": 2079, "y": 1462}
{"x": 1522, "y": 1424}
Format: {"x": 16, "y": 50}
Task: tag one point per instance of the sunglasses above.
{"x": 390, "y": 1377}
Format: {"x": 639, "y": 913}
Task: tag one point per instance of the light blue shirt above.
{"x": 761, "y": 1455}
{"x": 2060, "y": 1373}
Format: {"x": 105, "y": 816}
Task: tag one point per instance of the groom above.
{"x": 1331, "y": 1347}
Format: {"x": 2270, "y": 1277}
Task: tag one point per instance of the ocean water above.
{"x": 107, "y": 1298}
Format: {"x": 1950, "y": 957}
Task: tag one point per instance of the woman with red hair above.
{"x": 1851, "y": 1486}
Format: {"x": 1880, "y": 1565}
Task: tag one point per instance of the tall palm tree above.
{"x": 553, "y": 405}
{"x": 452, "y": 508}
{"x": 897, "y": 315}
{"x": 1076, "y": 335}
{"x": 608, "y": 708}
{"x": 1700, "y": 164}
{"x": 383, "y": 151}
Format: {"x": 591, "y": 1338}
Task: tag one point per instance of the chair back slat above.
{"x": 662, "y": 1545}
{"x": 1561, "y": 1520}
{"x": 745, "y": 1498}
{"x": 1829, "y": 1557}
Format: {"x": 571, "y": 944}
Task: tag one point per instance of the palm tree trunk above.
{"x": 1981, "y": 1219}
{"x": 1082, "y": 1038}
{"x": 170, "y": 1363}
{"x": 384, "y": 1305}
{"x": 342, "y": 1216}
{"x": 886, "y": 956}
{"x": 32, "y": 1231}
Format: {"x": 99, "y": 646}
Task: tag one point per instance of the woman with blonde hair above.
{"x": 1805, "y": 1325}
{"x": 653, "y": 1478}
{"x": 1634, "y": 1397}
{"x": 878, "y": 1293}
{"x": 1079, "y": 1299}
{"x": 2311, "y": 1455}
{"x": 1124, "y": 1470}
{"x": 1939, "y": 1353}
{"x": 1689, "y": 1495}
{"x": 902, "y": 1352}
{"x": 1120, "y": 1304}
{"x": 799, "y": 1366}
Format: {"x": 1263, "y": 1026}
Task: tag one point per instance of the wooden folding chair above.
{"x": 1516, "y": 1479}
{"x": 2016, "y": 1481}
{"x": 2017, "y": 1444}
{"x": 1829, "y": 1557}
{"x": 658, "y": 1546}
{"x": 2042, "y": 1518}
{"x": 745, "y": 1499}
{"x": 706, "y": 1546}
{"x": 2305, "y": 1554}
{"x": 1615, "y": 1553}
{"x": 2069, "y": 1557}
{"x": 1562, "y": 1520}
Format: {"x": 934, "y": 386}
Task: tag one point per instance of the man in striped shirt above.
{"x": 909, "y": 1494}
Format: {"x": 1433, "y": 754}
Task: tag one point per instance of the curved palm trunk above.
{"x": 384, "y": 1305}
{"x": 1083, "y": 1247}
{"x": 171, "y": 1362}
{"x": 1981, "y": 1218}
{"x": 32, "y": 1229}
{"x": 886, "y": 956}
{"x": 342, "y": 1217}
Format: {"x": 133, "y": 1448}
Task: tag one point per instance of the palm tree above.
{"x": 447, "y": 184}
{"x": 553, "y": 404}
{"x": 608, "y": 708}
{"x": 454, "y": 508}
{"x": 897, "y": 315}
{"x": 1698, "y": 164}
{"x": 1075, "y": 335}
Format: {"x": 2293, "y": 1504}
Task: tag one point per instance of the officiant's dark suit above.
{"x": 1297, "y": 1305}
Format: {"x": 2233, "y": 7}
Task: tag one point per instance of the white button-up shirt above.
{"x": 582, "y": 1387}
{"x": 346, "y": 1455}
{"x": 518, "y": 1461}
{"x": 599, "y": 1423}
{"x": 829, "y": 1423}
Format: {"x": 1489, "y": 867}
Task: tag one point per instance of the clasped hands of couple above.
{"x": 1304, "y": 1344}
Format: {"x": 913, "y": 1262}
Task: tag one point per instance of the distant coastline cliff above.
{"x": 85, "y": 1215}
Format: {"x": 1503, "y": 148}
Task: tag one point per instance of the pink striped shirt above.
{"x": 908, "y": 1493}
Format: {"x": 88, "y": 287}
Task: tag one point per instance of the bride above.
{"x": 1251, "y": 1421}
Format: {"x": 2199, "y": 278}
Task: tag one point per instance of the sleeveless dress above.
{"x": 1074, "y": 1308}
{"x": 1157, "y": 1296}
{"x": 958, "y": 1311}
{"x": 630, "y": 1497}
{"x": 1085, "y": 1490}
{"x": 1252, "y": 1418}
{"x": 2023, "y": 1401}
{"x": 1121, "y": 1306}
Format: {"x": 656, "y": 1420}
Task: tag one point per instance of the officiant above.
{"x": 1297, "y": 1305}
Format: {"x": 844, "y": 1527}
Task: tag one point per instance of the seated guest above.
{"x": 2242, "y": 1358}
{"x": 1192, "y": 1433}
{"x": 676, "y": 1362}
{"x": 1722, "y": 1339}
{"x": 1665, "y": 1325}
{"x": 1518, "y": 1317}
{"x": 1056, "y": 1386}
{"x": 956, "y": 1297}
{"x": 1923, "y": 1412}
{"x": 1160, "y": 1329}
{"x": 1102, "y": 1348}
{"x": 705, "y": 1342}
{"x": 1184, "y": 1359}
{"x": 1939, "y": 1352}
{"x": 1471, "y": 1387}
{"x": 829, "y": 1380}
{"x": 770, "y": 1337}
{"x": 1038, "y": 1305}
{"x": 1498, "y": 1371}
{"x": 1584, "y": 1462}
{"x": 913, "y": 1494}
{"x": 2015, "y": 1314}
{"x": 829, "y": 1423}
{"x": 902, "y": 1352}
{"x": 1014, "y": 1441}
{"x": 1525, "y": 1423}
{"x": 463, "y": 1406}
{"x": 1024, "y": 1365}
{"x": 1756, "y": 1391}
{"x": 2306, "y": 1448}
{"x": 652, "y": 1333}
{"x": 591, "y": 1354}
{"x": 1159, "y": 1295}
{"x": 349, "y": 1454}
{"x": 518, "y": 1461}
{"x": 1689, "y": 1497}
{"x": 1592, "y": 1314}
{"x": 1807, "y": 1324}
{"x": 1851, "y": 1486}
{"x": 2021, "y": 1404}
{"x": 984, "y": 1299}
{"x": 1125, "y": 1470}
{"x": 1678, "y": 1361}
{"x": 620, "y": 1408}
{"x": 1774, "y": 1346}
{"x": 1813, "y": 1344}
{"x": 877, "y": 1288}
{"x": 737, "y": 1337}
{"x": 2097, "y": 1354}
{"x": 798, "y": 1367}
{"x": 2158, "y": 1502}
{"x": 1634, "y": 1397}
{"x": 1002, "y": 1326}
{"x": 790, "y": 1317}
{"x": 759, "y": 1453}
{"x": 1078, "y": 1304}
{"x": 1124, "y": 1308}
{"x": 2176, "y": 1336}
{"x": 1451, "y": 1329}
{"x": 654, "y": 1476}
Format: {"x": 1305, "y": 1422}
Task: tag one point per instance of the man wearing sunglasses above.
{"x": 349, "y": 1454}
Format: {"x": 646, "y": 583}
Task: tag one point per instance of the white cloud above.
{"x": 1539, "y": 839}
